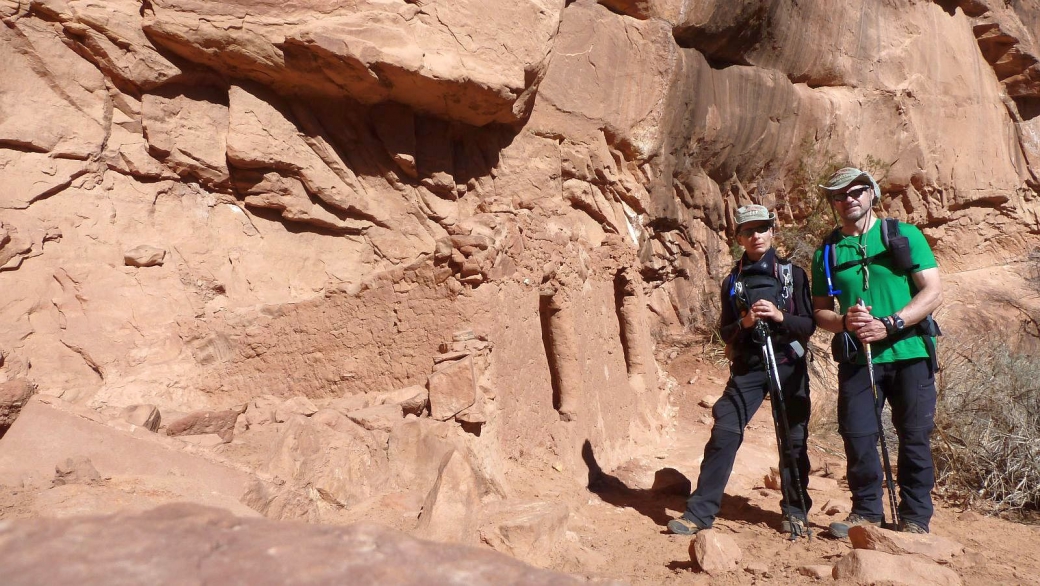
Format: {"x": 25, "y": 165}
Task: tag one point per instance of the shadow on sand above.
{"x": 669, "y": 492}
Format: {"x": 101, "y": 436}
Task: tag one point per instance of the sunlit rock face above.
{"x": 204, "y": 203}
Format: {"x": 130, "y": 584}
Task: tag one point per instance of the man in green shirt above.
{"x": 896, "y": 299}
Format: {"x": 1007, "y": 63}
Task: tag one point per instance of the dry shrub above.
{"x": 823, "y": 386}
{"x": 987, "y": 440}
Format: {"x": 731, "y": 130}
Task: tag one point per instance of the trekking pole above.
{"x": 881, "y": 434}
{"x": 780, "y": 422}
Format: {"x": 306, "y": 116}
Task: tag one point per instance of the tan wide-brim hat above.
{"x": 846, "y": 176}
{"x": 753, "y": 213}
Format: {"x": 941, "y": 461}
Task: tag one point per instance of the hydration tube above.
{"x": 827, "y": 250}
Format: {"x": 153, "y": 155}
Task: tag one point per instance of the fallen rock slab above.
{"x": 715, "y": 552}
{"x": 343, "y": 467}
{"x": 48, "y": 431}
{"x": 192, "y": 544}
{"x": 298, "y": 405}
{"x": 450, "y": 511}
{"x": 378, "y": 418}
{"x": 933, "y": 547}
{"x": 221, "y": 423}
{"x": 453, "y": 387}
{"x": 864, "y": 566}
{"x": 527, "y": 531}
{"x": 13, "y": 396}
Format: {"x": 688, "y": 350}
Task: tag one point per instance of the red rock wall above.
{"x": 330, "y": 192}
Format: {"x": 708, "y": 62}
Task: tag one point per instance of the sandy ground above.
{"x": 617, "y": 528}
{"x": 620, "y": 531}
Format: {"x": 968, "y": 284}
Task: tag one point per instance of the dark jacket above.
{"x": 798, "y": 321}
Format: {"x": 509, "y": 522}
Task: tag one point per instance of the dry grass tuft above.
{"x": 987, "y": 438}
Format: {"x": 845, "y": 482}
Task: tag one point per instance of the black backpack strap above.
{"x": 785, "y": 273}
{"x": 889, "y": 228}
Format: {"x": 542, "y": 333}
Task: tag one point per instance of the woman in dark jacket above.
{"x": 761, "y": 288}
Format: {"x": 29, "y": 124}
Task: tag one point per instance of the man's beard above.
{"x": 857, "y": 216}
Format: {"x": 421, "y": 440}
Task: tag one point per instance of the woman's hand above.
{"x": 766, "y": 310}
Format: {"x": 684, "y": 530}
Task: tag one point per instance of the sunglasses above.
{"x": 747, "y": 232}
{"x": 854, "y": 193}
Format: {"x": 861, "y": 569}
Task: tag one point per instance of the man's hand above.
{"x": 866, "y": 327}
{"x": 766, "y": 310}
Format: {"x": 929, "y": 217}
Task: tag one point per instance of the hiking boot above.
{"x": 911, "y": 527}
{"x": 796, "y": 529}
{"x": 683, "y": 526}
{"x": 840, "y": 529}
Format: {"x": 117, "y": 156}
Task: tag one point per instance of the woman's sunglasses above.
{"x": 747, "y": 232}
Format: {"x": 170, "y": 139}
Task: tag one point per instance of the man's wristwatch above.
{"x": 893, "y": 324}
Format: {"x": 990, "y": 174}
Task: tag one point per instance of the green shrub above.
{"x": 804, "y": 214}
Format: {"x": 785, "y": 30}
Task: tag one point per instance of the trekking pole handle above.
{"x": 861, "y": 303}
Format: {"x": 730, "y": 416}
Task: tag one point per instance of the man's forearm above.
{"x": 826, "y": 317}
{"x": 928, "y": 297}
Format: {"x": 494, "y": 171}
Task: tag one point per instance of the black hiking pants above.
{"x": 744, "y": 394}
{"x": 909, "y": 388}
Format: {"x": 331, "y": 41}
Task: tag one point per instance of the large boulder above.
{"x": 194, "y": 544}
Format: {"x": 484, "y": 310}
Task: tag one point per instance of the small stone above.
{"x": 708, "y": 401}
{"x": 76, "y": 470}
{"x": 820, "y": 572}
{"x": 146, "y": 416}
{"x": 757, "y": 569}
{"x": 772, "y": 480}
{"x": 144, "y": 256}
{"x": 462, "y": 335}
{"x": 836, "y": 507}
{"x": 715, "y": 552}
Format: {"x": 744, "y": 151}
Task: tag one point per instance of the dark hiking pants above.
{"x": 909, "y": 388}
{"x": 743, "y": 396}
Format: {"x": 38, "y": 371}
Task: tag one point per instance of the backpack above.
{"x": 777, "y": 287}
{"x": 746, "y": 287}
{"x": 898, "y": 246}
{"x": 895, "y": 244}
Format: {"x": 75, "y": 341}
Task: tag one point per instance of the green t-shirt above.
{"x": 885, "y": 289}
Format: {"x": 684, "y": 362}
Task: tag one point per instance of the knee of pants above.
{"x": 727, "y": 416}
{"x": 916, "y": 437}
{"x": 857, "y": 423}
{"x": 798, "y": 436}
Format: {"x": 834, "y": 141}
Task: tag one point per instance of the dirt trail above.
{"x": 620, "y": 531}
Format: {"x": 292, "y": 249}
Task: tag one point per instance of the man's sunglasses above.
{"x": 854, "y": 193}
{"x": 747, "y": 232}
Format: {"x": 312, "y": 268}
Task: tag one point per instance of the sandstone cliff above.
{"x": 205, "y": 203}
